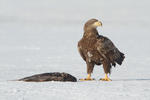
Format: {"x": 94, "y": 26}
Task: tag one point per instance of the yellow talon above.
{"x": 106, "y": 78}
{"x": 86, "y": 79}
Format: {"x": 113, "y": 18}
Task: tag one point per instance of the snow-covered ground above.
{"x": 38, "y": 36}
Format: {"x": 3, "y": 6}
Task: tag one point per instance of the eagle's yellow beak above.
{"x": 98, "y": 23}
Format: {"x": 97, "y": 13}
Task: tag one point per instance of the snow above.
{"x": 38, "y": 36}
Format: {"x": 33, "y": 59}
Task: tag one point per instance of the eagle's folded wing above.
{"x": 108, "y": 50}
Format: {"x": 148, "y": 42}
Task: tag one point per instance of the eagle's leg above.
{"x": 106, "y": 78}
{"x": 90, "y": 67}
{"x": 107, "y": 69}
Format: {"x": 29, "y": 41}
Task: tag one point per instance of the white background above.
{"x": 38, "y": 36}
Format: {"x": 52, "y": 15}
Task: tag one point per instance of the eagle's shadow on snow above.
{"x": 146, "y": 79}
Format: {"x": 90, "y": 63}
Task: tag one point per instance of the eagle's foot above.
{"x": 105, "y": 78}
{"x": 87, "y": 79}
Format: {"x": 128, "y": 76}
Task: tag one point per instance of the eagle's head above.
{"x": 92, "y": 24}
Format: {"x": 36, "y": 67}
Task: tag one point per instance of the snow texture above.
{"x": 39, "y": 36}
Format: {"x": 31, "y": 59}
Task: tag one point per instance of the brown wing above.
{"x": 108, "y": 50}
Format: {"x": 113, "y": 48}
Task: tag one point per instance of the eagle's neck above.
{"x": 90, "y": 33}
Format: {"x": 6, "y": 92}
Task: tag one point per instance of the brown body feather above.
{"x": 96, "y": 50}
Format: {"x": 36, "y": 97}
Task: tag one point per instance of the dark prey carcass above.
{"x": 54, "y": 76}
